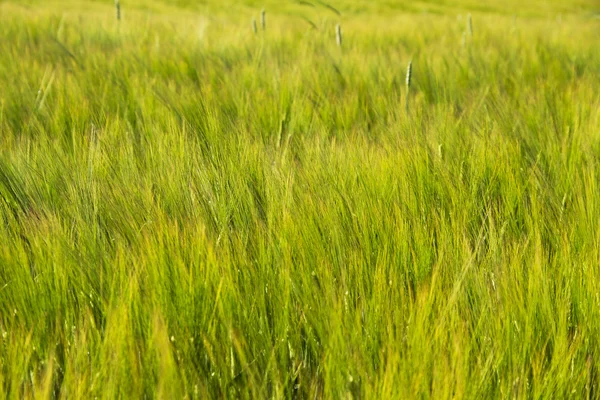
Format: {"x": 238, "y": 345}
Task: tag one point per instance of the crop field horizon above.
{"x": 299, "y": 199}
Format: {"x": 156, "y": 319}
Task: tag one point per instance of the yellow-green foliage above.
{"x": 192, "y": 210}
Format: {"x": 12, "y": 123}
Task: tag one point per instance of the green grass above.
{"x": 189, "y": 210}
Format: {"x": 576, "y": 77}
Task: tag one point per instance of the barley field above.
{"x": 242, "y": 199}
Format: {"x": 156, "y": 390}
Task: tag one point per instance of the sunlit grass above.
{"x": 190, "y": 209}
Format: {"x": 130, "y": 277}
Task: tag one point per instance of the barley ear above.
{"x": 118, "y": 8}
{"x": 338, "y": 35}
{"x": 408, "y": 82}
{"x": 470, "y": 25}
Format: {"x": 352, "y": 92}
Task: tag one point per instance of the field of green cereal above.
{"x": 192, "y": 209}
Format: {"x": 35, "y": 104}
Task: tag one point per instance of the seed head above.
{"x": 338, "y": 35}
{"x": 118, "y": 7}
{"x": 254, "y": 27}
{"x": 263, "y": 19}
{"x": 408, "y": 74}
